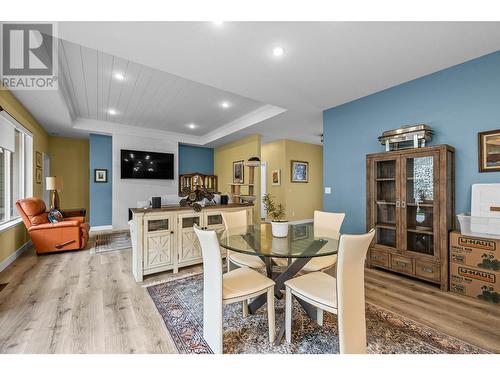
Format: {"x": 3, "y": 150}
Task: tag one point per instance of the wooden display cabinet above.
{"x": 411, "y": 204}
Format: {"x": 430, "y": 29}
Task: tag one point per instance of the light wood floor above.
{"x": 81, "y": 303}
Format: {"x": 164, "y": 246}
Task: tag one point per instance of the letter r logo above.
{"x": 27, "y": 49}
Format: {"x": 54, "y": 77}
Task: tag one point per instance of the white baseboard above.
{"x": 16, "y": 254}
{"x": 100, "y": 228}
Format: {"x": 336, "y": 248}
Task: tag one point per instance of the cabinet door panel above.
{"x": 420, "y": 203}
{"x": 189, "y": 249}
{"x": 158, "y": 242}
{"x": 158, "y": 251}
{"x": 384, "y": 190}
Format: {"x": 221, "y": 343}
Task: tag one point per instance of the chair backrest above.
{"x": 212, "y": 288}
{"x": 327, "y": 224}
{"x": 351, "y": 291}
{"x": 32, "y": 211}
{"x": 236, "y": 222}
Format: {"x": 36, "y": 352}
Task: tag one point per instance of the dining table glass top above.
{"x": 258, "y": 240}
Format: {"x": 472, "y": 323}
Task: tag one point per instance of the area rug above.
{"x": 180, "y": 303}
{"x": 110, "y": 241}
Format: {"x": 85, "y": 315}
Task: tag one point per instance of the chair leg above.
{"x": 229, "y": 268}
{"x": 245, "y": 308}
{"x": 270, "y": 314}
{"x": 288, "y": 315}
{"x": 319, "y": 316}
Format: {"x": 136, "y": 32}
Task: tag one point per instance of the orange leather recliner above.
{"x": 70, "y": 234}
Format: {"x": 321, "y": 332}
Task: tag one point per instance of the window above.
{"x": 16, "y": 170}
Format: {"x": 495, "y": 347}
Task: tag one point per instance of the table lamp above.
{"x": 54, "y": 184}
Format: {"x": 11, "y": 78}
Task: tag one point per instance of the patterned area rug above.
{"x": 180, "y": 303}
{"x": 110, "y": 241}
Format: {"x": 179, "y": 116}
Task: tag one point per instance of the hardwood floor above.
{"x": 76, "y": 302}
{"x": 468, "y": 319}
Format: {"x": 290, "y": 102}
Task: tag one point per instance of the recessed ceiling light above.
{"x": 119, "y": 76}
{"x": 218, "y": 23}
{"x": 278, "y": 51}
{"x": 111, "y": 111}
{"x": 192, "y": 126}
{"x": 225, "y": 104}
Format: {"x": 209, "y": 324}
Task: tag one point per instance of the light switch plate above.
{"x": 328, "y": 190}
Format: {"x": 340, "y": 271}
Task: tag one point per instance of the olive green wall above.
{"x": 224, "y": 156}
{"x": 13, "y": 238}
{"x": 300, "y": 199}
{"x": 69, "y": 159}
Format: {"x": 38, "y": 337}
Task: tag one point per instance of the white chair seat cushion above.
{"x": 246, "y": 260}
{"x": 242, "y": 282}
{"x": 320, "y": 263}
{"x": 317, "y": 286}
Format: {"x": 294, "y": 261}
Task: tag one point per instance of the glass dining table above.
{"x": 284, "y": 257}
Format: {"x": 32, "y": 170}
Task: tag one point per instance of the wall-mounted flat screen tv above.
{"x": 147, "y": 165}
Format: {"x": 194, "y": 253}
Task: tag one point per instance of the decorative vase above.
{"x": 279, "y": 228}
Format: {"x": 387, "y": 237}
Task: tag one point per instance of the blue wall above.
{"x": 101, "y": 157}
{"x": 196, "y": 159}
{"x": 457, "y": 102}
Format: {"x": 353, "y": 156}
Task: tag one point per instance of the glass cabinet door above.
{"x": 386, "y": 210}
{"x": 419, "y": 204}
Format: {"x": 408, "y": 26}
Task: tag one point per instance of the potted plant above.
{"x": 276, "y": 212}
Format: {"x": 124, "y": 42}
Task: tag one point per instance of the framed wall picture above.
{"x": 489, "y": 151}
{"x": 100, "y": 175}
{"x": 38, "y": 175}
{"x": 300, "y": 171}
{"x": 276, "y": 177}
{"x": 38, "y": 159}
{"x": 238, "y": 172}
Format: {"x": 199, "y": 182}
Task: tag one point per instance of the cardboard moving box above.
{"x": 475, "y": 267}
{"x": 475, "y": 282}
{"x": 483, "y": 253}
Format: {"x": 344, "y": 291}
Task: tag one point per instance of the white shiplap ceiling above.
{"x": 146, "y": 97}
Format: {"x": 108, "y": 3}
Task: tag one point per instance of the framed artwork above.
{"x": 238, "y": 172}
{"x": 300, "y": 231}
{"x": 300, "y": 171}
{"x": 38, "y": 159}
{"x": 276, "y": 177}
{"x": 38, "y": 175}
{"x": 100, "y": 175}
{"x": 489, "y": 151}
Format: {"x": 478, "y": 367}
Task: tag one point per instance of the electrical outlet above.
{"x": 328, "y": 190}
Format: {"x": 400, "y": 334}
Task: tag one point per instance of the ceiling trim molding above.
{"x": 105, "y": 127}
{"x": 260, "y": 114}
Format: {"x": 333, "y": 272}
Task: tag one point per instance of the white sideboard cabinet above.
{"x": 163, "y": 238}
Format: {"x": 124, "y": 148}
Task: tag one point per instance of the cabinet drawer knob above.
{"x": 427, "y": 269}
{"x": 400, "y": 263}
{"x": 378, "y": 257}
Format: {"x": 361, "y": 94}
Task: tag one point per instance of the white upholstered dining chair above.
{"x": 343, "y": 295}
{"x": 236, "y": 223}
{"x": 326, "y": 224}
{"x": 221, "y": 289}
